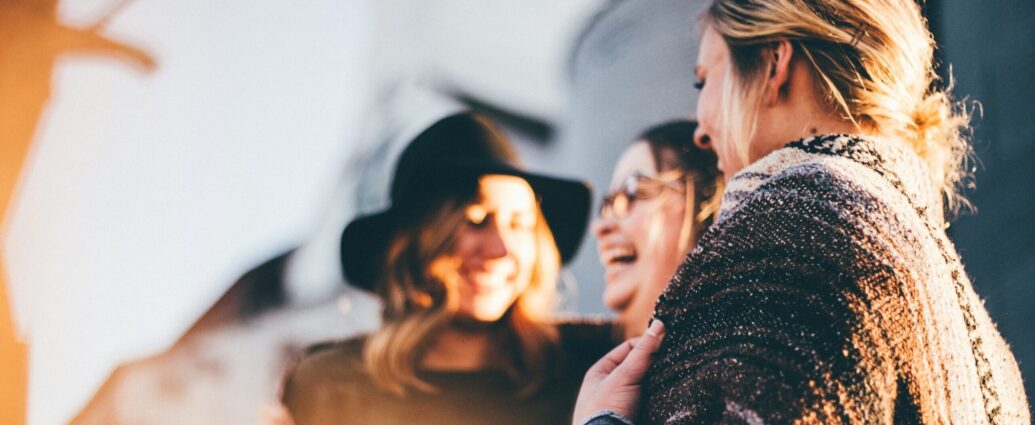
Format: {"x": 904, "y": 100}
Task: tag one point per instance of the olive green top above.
{"x": 331, "y": 386}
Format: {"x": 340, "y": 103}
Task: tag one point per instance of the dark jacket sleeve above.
{"x": 768, "y": 319}
{"x": 607, "y": 417}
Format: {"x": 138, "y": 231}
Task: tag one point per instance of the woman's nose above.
{"x": 603, "y": 225}
{"x": 494, "y": 244}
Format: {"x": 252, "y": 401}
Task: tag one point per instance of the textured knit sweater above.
{"x": 827, "y": 292}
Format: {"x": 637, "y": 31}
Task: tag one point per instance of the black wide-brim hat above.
{"x": 449, "y": 156}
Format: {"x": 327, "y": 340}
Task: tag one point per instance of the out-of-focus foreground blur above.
{"x": 175, "y": 176}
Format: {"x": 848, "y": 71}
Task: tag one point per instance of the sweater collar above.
{"x": 894, "y": 162}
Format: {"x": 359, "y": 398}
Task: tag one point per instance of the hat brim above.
{"x": 364, "y": 243}
{"x": 565, "y": 205}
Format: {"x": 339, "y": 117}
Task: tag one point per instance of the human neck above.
{"x": 801, "y": 111}
{"x": 821, "y": 127}
{"x": 807, "y": 123}
{"x": 459, "y": 349}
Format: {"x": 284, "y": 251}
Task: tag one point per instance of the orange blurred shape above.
{"x": 18, "y": 124}
{"x": 31, "y": 40}
{"x": 13, "y": 372}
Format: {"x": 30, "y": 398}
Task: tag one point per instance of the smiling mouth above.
{"x": 483, "y": 283}
{"x": 618, "y": 257}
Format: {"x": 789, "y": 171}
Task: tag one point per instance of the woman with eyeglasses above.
{"x": 827, "y": 290}
{"x": 664, "y": 192}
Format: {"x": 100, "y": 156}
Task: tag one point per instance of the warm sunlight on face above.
{"x": 496, "y": 248}
{"x": 640, "y": 248}
{"x": 712, "y": 70}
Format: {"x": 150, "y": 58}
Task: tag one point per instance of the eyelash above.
{"x": 516, "y": 224}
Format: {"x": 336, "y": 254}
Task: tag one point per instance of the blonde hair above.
{"x": 417, "y": 306}
{"x": 874, "y": 60}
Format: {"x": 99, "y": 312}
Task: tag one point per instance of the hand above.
{"x": 275, "y": 414}
{"x": 613, "y": 383}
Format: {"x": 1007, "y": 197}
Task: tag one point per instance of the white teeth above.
{"x": 616, "y": 254}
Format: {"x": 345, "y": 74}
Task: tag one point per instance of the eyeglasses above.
{"x": 618, "y": 203}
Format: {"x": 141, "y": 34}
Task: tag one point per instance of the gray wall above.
{"x": 989, "y": 47}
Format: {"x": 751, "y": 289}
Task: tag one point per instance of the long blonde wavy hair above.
{"x": 874, "y": 60}
{"x": 418, "y": 306}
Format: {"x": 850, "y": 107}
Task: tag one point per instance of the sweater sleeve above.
{"x": 327, "y": 386}
{"x": 607, "y": 417}
{"x": 305, "y": 396}
{"x": 768, "y": 320}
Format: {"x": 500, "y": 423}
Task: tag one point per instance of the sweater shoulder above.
{"x": 816, "y": 178}
{"x": 587, "y": 330}
{"x": 338, "y": 361}
{"x": 868, "y": 177}
{"x": 584, "y": 341}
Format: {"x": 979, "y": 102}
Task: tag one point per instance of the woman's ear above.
{"x": 779, "y": 71}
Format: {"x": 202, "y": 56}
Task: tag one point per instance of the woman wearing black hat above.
{"x": 465, "y": 261}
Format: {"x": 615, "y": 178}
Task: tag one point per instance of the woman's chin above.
{"x": 618, "y": 294}
{"x": 476, "y": 320}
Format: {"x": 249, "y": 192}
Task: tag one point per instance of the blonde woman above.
{"x": 664, "y": 193}
{"x": 827, "y": 290}
{"x": 465, "y": 260}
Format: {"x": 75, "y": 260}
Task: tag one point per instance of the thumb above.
{"x": 636, "y": 363}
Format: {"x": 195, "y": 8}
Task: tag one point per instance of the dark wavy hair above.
{"x": 672, "y": 146}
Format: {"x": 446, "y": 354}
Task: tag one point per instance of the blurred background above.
{"x": 176, "y": 174}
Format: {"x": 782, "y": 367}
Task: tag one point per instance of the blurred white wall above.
{"x": 148, "y": 194}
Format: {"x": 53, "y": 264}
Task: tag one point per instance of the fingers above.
{"x": 638, "y": 359}
{"x": 651, "y": 339}
{"x": 612, "y": 359}
{"x": 614, "y": 381}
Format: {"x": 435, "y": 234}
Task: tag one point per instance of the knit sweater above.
{"x": 828, "y": 292}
